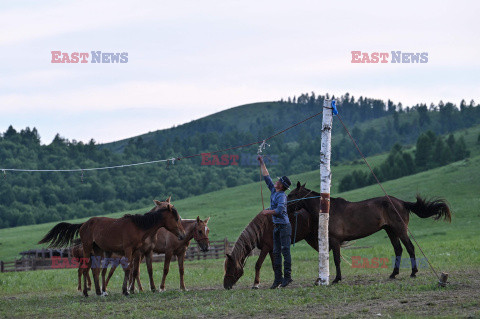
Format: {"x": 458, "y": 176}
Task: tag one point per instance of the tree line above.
{"x": 29, "y": 198}
{"x": 431, "y": 151}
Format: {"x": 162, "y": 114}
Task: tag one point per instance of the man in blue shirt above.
{"x": 282, "y": 230}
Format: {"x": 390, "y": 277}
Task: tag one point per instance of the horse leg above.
{"x": 128, "y": 255}
{"x": 140, "y": 287}
{"x": 96, "y": 271}
{"x": 104, "y": 271}
{"x": 258, "y": 266}
{"x": 89, "y": 287}
{"x": 166, "y": 266}
{"x": 85, "y": 275}
{"x": 135, "y": 272}
{"x": 110, "y": 274}
{"x": 148, "y": 261}
{"x": 87, "y": 248}
{"x": 335, "y": 247}
{"x": 411, "y": 252}
{"x": 397, "y": 247}
{"x": 96, "y": 280}
{"x": 181, "y": 269}
{"x": 80, "y": 272}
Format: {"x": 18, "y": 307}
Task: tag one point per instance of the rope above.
{"x": 84, "y": 169}
{"x": 169, "y": 160}
{"x": 260, "y": 149}
{"x": 380, "y": 184}
{"x": 296, "y": 225}
{"x": 261, "y": 189}
{"x": 296, "y": 200}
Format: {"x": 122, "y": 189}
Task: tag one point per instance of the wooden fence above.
{"x": 47, "y": 258}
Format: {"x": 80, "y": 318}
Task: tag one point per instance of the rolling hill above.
{"x": 35, "y": 198}
{"x": 231, "y": 209}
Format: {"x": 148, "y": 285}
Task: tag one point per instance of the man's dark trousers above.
{"x": 281, "y": 244}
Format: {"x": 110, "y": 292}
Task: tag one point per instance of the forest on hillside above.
{"x": 38, "y": 197}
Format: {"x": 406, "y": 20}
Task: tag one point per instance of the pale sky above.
{"x": 189, "y": 59}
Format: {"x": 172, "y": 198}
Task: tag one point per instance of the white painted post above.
{"x": 325, "y": 181}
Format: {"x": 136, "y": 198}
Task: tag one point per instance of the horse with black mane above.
{"x": 104, "y": 236}
{"x": 258, "y": 233}
{"x": 348, "y": 221}
{"x": 166, "y": 243}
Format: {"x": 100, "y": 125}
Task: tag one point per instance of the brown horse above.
{"x": 77, "y": 252}
{"x": 124, "y": 236}
{"x": 169, "y": 245}
{"x": 348, "y": 221}
{"x": 354, "y": 220}
{"x": 259, "y": 233}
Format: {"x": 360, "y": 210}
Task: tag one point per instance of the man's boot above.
{"x": 286, "y": 282}
{"x": 287, "y": 266}
{"x": 278, "y": 277}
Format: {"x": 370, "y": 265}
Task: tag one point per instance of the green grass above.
{"x": 452, "y": 248}
{"x": 230, "y": 210}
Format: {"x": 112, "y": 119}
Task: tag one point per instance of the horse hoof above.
{"x": 336, "y": 281}
{"x": 255, "y": 287}
{"x": 104, "y": 293}
{"x": 125, "y": 293}
{"x": 413, "y": 276}
{"x": 392, "y": 277}
{"x": 184, "y": 289}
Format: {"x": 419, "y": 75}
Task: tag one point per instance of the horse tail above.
{"x": 427, "y": 208}
{"x": 61, "y": 235}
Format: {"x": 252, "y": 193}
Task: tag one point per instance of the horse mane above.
{"x": 150, "y": 219}
{"x": 249, "y": 238}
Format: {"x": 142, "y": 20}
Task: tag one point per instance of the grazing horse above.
{"x": 348, "y": 221}
{"x": 354, "y": 220}
{"x": 169, "y": 245}
{"x": 123, "y": 236}
{"x": 259, "y": 233}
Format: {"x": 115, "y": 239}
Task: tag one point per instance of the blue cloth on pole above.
{"x": 334, "y": 108}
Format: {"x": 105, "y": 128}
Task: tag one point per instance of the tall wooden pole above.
{"x": 325, "y": 181}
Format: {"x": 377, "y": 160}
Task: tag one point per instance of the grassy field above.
{"x": 230, "y": 211}
{"x": 452, "y": 248}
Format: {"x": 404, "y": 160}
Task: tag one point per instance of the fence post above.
{"x": 325, "y": 181}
